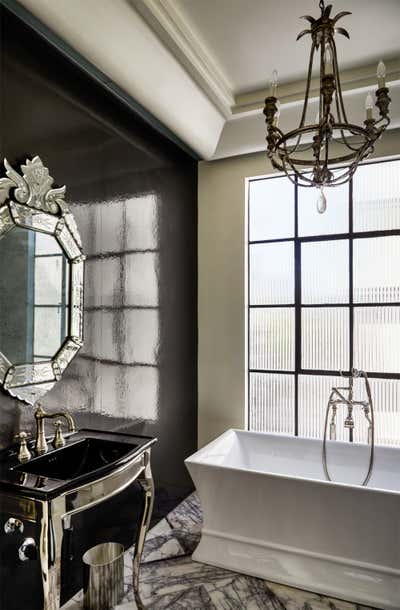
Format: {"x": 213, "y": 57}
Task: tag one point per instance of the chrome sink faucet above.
{"x": 40, "y": 416}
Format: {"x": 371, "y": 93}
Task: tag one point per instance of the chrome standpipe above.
{"x": 337, "y": 398}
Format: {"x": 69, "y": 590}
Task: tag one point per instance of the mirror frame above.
{"x": 39, "y": 207}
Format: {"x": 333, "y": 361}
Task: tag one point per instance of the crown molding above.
{"x": 169, "y": 24}
{"x": 355, "y": 79}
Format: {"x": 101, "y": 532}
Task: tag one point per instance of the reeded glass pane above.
{"x": 376, "y": 197}
{"x": 49, "y": 331}
{"x": 377, "y": 339}
{"x": 272, "y": 273}
{"x": 325, "y": 338}
{"x": 271, "y": 403}
{"x": 325, "y": 272}
{"x": 386, "y": 401}
{"x": 271, "y": 209}
{"x": 334, "y": 220}
{"x": 46, "y": 244}
{"x": 272, "y": 339}
{"x": 314, "y": 392}
{"x": 49, "y": 272}
{"x": 377, "y": 270}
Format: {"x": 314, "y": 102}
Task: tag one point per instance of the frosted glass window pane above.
{"x": 325, "y": 272}
{"x": 325, "y": 338}
{"x": 272, "y": 273}
{"x": 334, "y": 220}
{"x": 377, "y": 270}
{"x": 314, "y": 392}
{"x": 272, "y": 403}
{"x": 47, "y": 334}
{"x": 272, "y": 339}
{"x": 271, "y": 209}
{"x": 377, "y": 339}
{"x": 376, "y": 197}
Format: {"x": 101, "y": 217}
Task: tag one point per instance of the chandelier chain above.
{"x": 321, "y": 4}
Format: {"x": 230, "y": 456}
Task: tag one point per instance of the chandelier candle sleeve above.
{"x": 310, "y": 155}
{"x": 381, "y": 74}
{"x": 369, "y": 104}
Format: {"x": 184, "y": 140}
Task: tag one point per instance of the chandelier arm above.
{"x": 354, "y": 129}
{"x": 338, "y": 84}
{"x": 308, "y": 85}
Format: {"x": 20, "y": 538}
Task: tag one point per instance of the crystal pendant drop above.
{"x": 321, "y": 201}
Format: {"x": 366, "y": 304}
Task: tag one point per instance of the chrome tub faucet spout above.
{"x": 40, "y": 415}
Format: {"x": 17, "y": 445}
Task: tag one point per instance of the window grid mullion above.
{"x": 350, "y": 236}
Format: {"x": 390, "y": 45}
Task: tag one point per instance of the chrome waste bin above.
{"x": 103, "y": 576}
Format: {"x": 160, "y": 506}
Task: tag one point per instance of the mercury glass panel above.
{"x": 325, "y": 338}
{"x": 376, "y": 197}
{"x": 377, "y": 339}
{"x": 272, "y": 403}
{"x": 325, "y": 272}
{"x": 272, "y": 338}
{"x": 272, "y": 273}
{"x": 334, "y": 220}
{"x": 314, "y": 392}
{"x": 376, "y": 270}
{"x": 271, "y": 209}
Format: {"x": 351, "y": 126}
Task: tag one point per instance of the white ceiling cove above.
{"x": 247, "y": 39}
{"x": 202, "y": 66}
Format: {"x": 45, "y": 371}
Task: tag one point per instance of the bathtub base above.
{"x": 360, "y": 583}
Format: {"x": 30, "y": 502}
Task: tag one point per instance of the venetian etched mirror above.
{"x": 41, "y": 282}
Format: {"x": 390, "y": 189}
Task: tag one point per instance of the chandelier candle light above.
{"x": 331, "y": 140}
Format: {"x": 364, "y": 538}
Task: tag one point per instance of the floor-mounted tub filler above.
{"x": 270, "y": 512}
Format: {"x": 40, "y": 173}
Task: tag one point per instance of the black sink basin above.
{"x": 80, "y": 458}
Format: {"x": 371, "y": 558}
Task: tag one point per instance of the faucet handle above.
{"x": 58, "y": 440}
{"x": 24, "y": 454}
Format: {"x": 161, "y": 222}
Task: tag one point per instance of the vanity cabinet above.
{"x": 53, "y": 521}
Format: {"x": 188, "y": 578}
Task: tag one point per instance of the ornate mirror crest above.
{"x": 30, "y": 202}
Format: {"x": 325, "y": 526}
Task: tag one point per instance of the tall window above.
{"x": 324, "y": 297}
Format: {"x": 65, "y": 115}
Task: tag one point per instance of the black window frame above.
{"x": 298, "y": 240}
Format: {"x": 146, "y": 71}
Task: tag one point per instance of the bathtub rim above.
{"x": 196, "y": 459}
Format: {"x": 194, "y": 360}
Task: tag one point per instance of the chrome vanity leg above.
{"x": 51, "y": 536}
{"x": 146, "y": 481}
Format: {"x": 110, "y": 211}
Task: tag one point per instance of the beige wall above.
{"x": 222, "y": 346}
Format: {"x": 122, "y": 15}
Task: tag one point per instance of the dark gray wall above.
{"x": 134, "y": 196}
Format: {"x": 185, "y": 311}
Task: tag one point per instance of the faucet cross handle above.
{"x": 59, "y": 440}
{"x": 24, "y": 455}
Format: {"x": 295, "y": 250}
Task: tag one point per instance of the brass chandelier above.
{"x": 330, "y": 139}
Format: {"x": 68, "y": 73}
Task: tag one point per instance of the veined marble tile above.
{"x": 187, "y": 515}
{"x": 162, "y": 527}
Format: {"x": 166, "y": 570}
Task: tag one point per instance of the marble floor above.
{"x": 170, "y": 579}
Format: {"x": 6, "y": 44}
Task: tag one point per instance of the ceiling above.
{"x": 201, "y": 67}
{"x": 247, "y": 39}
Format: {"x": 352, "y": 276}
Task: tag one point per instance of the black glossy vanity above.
{"x": 45, "y": 501}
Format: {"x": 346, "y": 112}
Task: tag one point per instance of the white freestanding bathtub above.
{"x": 269, "y": 512}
